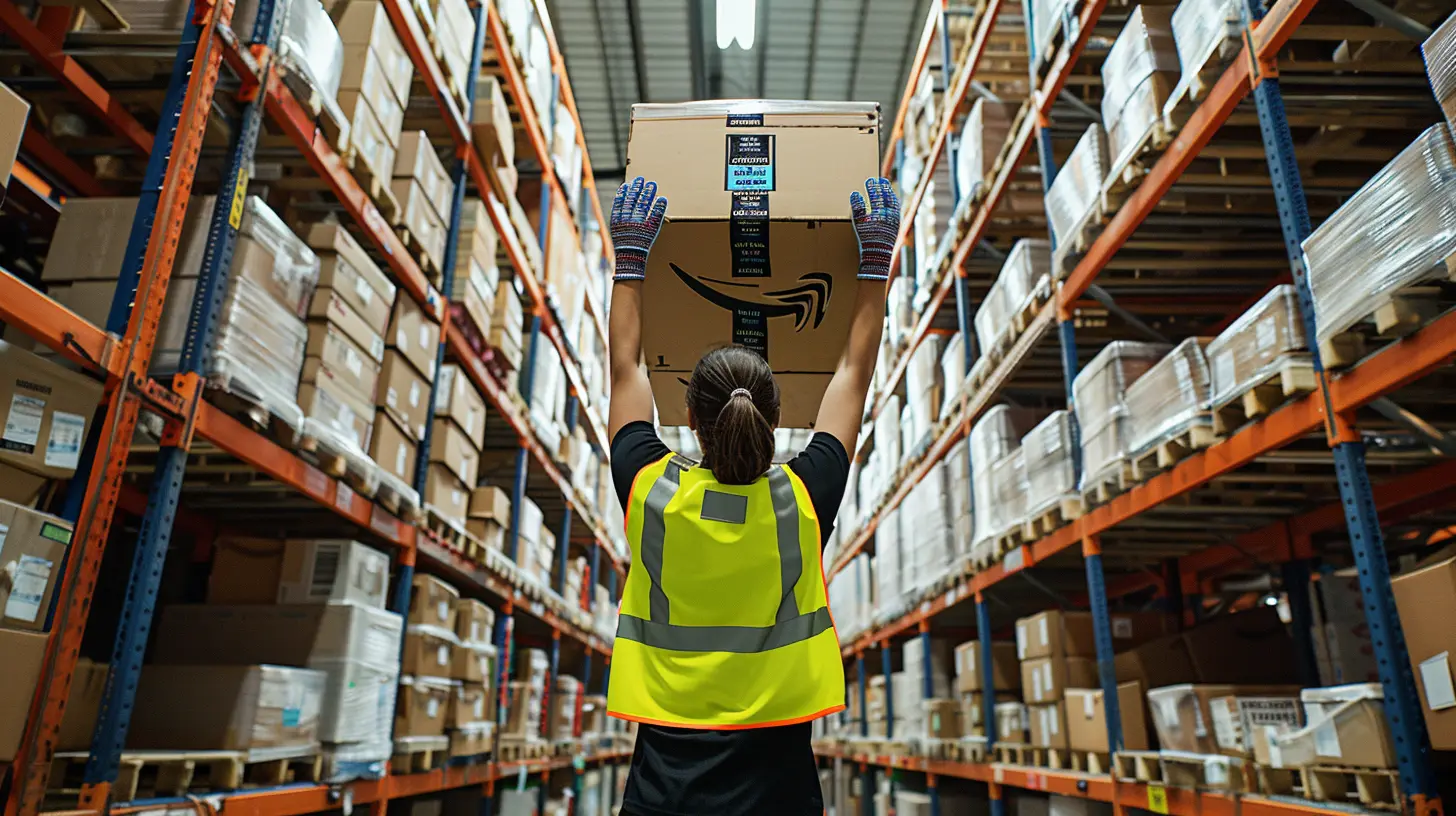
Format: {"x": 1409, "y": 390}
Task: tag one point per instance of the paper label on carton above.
{"x": 1122, "y": 628}
{"x": 1020, "y": 643}
{"x": 750, "y": 165}
{"x": 4, "y": 531}
{"x": 1216, "y": 771}
{"x": 1200, "y": 728}
{"x": 475, "y": 631}
{"x": 27, "y": 588}
{"x": 1036, "y": 686}
{"x": 424, "y": 336}
{"x": 401, "y": 338}
{"x": 432, "y": 707}
{"x": 68, "y": 434}
{"x": 1326, "y": 738}
{"x": 1435, "y": 678}
{"x": 1089, "y": 707}
{"x": 344, "y": 497}
{"x": 479, "y": 707}
{"x": 1265, "y": 333}
{"x": 1226, "y": 729}
{"x": 22, "y": 424}
{"x": 399, "y": 461}
{"x": 362, "y": 290}
{"x": 1043, "y": 630}
{"x": 414, "y": 394}
{"x": 745, "y": 120}
{"x": 442, "y": 655}
{"x": 391, "y": 397}
{"x": 442, "y": 610}
{"x": 353, "y": 362}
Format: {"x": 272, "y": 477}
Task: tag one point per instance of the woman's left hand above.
{"x": 636, "y": 218}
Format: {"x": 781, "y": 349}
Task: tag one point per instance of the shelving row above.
{"x": 175, "y": 456}
{"x": 1336, "y": 462}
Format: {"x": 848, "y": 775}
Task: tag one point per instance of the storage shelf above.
{"x": 40, "y": 317}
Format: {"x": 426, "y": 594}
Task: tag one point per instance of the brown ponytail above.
{"x": 734, "y": 403}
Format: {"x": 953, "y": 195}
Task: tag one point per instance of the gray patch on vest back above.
{"x": 728, "y": 507}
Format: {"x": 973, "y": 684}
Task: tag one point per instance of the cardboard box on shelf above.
{"x": 1426, "y": 600}
{"x": 1048, "y": 725}
{"x": 433, "y": 602}
{"x": 472, "y": 664}
{"x": 942, "y": 719}
{"x": 363, "y": 80}
{"x": 404, "y": 394}
{"x": 489, "y": 532}
{"x": 245, "y": 570}
{"x": 1183, "y": 715}
{"x": 1005, "y": 673}
{"x": 366, "y": 22}
{"x": 333, "y": 403}
{"x": 1157, "y": 663}
{"x": 490, "y": 502}
{"x": 330, "y": 350}
{"x": 468, "y": 706}
{"x": 456, "y": 398}
{"x": 474, "y": 293}
{"x": 24, "y": 652}
{"x": 369, "y": 139}
{"x": 14, "y": 111}
{"x": 323, "y": 570}
{"x": 1237, "y": 717}
{"x": 293, "y": 635}
{"x": 32, "y": 549}
{"x": 1087, "y": 718}
{"x": 427, "y": 229}
{"x": 449, "y": 446}
{"x": 776, "y": 205}
{"x": 491, "y": 128}
{"x": 359, "y": 701}
{"x": 83, "y": 706}
{"x": 428, "y": 651}
{"x": 446, "y": 495}
{"x": 473, "y": 740}
{"x": 423, "y": 704}
{"x": 331, "y": 306}
{"x": 1252, "y": 647}
{"x": 92, "y": 233}
{"x": 416, "y": 159}
{"x": 345, "y": 268}
{"x": 1349, "y": 726}
{"x": 226, "y": 708}
{"x": 524, "y": 702}
{"x": 1044, "y": 679}
{"x": 474, "y": 621}
{"x": 414, "y": 335}
{"x": 392, "y": 448}
{"x": 45, "y": 410}
{"x": 1056, "y": 633}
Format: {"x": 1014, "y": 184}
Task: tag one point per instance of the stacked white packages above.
{"x": 1440, "y": 53}
{"x": 1025, "y": 272}
{"x": 1247, "y": 352}
{"x": 1207, "y": 33}
{"x": 1172, "y": 397}
{"x": 1140, "y": 69}
{"x": 1050, "y": 476}
{"x": 925, "y": 517}
{"x": 952, "y": 373}
{"x": 958, "y": 474}
{"x": 922, "y": 394}
{"x": 985, "y": 130}
{"x": 1075, "y": 190}
{"x": 890, "y": 567}
{"x": 1100, "y": 396}
{"x": 999, "y": 473}
{"x": 851, "y": 598}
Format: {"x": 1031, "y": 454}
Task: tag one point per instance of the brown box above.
{"x": 45, "y": 411}
{"x": 226, "y": 708}
{"x": 13, "y": 113}
{"x": 795, "y": 168}
{"x": 468, "y": 706}
{"x": 393, "y": 449}
{"x": 478, "y": 239}
{"x": 1006, "y": 676}
{"x": 345, "y": 268}
{"x": 472, "y": 741}
{"x": 490, "y": 533}
{"x": 1182, "y": 715}
{"x": 1057, "y": 633}
{"x": 491, "y": 128}
{"x": 428, "y": 652}
{"x": 446, "y": 494}
{"x": 363, "y": 80}
{"x": 1244, "y": 648}
{"x": 365, "y": 22}
{"x": 1087, "y": 719}
{"x": 1048, "y": 726}
{"x": 427, "y": 228}
{"x": 415, "y": 335}
{"x": 23, "y": 652}
{"x": 1157, "y": 663}
{"x": 432, "y": 602}
{"x": 1237, "y": 718}
{"x": 422, "y": 708}
{"x": 332, "y": 401}
{"x": 330, "y": 351}
{"x": 457, "y": 398}
{"x": 333, "y": 307}
{"x": 416, "y": 159}
{"x": 245, "y": 570}
{"x": 1349, "y": 726}
{"x": 1426, "y": 599}
{"x": 404, "y": 394}
{"x": 518, "y": 710}
{"x": 21, "y": 487}
{"x": 942, "y": 719}
{"x": 474, "y": 621}
{"x": 370, "y": 141}
{"x": 1044, "y": 679}
{"x": 474, "y": 292}
{"x": 472, "y": 664}
{"x": 452, "y": 448}
{"x": 83, "y": 706}
{"x": 32, "y": 549}
{"x": 490, "y": 502}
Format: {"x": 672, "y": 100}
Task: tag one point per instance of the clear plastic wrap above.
{"x": 1201, "y": 27}
{"x": 1170, "y": 397}
{"x": 1099, "y": 393}
{"x": 887, "y": 434}
{"x": 926, "y": 511}
{"x": 952, "y": 372}
{"x": 1008, "y": 490}
{"x": 310, "y": 45}
{"x": 992, "y": 442}
{"x": 1144, "y": 47}
{"x": 1249, "y": 349}
{"x": 1045, "y": 18}
{"x": 1440, "y": 53}
{"x": 984, "y": 132}
{"x": 1050, "y": 476}
{"x": 1026, "y": 270}
{"x": 1142, "y": 112}
{"x": 1078, "y": 184}
{"x": 923, "y": 386}
{"x": 1396, "y": 230}
{"x": 889, "y": 561}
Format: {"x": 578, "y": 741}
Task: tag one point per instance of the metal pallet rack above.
{"x": 118, "y": 353}
{"x": 1357, "y": 508}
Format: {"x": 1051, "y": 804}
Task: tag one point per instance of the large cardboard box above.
{"x": 1005, "y": 675}
{"x": 226, "y": 708}
{"x": 415, "y": 335}
{"x": 364, "y": 80}
{"x": 32, "y": 549}
{"x": 468, "y": 705}
{"x": 1237, "y": 718}
{"x": 1087, "y": 719}
{"x": 428, "y": 651}
{"x": 330, "y": 305}
{"x": 416, "y": 159}
{"x": 1252, "y": 647}
{"x": 245, "y": 570}
{"x": 393, "y": 449}
{"x": 1349, "y": 726}
{"x": 423, "y": 704}
{"x": 345, "y": 267}
{"x": 1157, "y": 663}
{"x": 21, "y": 487}
{"x": 91, "y": 236}
{"x": 358, "y": 701}
{"x": 14, "y": 111}
{"x": 324, "y": 570}
{"x": 450, "y": 447}
{"x": 45, "y": 410}
{"x": 1048, "y": 725}
{"x": 23, "y": 652}
{"x": 491, "y": 128}
{"x": 758, "y": 248}
{"x": 432, "y": 602}
{"x": 1044, "y": 679}
{"x": 366, "y": 22}
{"x": 457, "y": 398}
{"x": 446, "y": 494}
{"x": 1184, "y": 715}
{"x": 1056, "y": 633}
{"x": 404, "y": 394}
{"x": 295, "y": 635}
{"x": 1426, "y": 599}
{"x": 490, "y": 502}
{"x": 472, "y": 663}
{"x": 474, "y": 621}
{"x": 427, "y": 228}
{"x": 333, "y": 403}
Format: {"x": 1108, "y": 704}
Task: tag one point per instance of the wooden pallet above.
{"x": 564, "y": 748}
{"x": 972, "y": 752}
{"x": 1190, "y": 91}
{"x": 1173, "y": 450}
{"x": 1110, "y": 484}
{"x": 445, "y": 529}
{"x": 255, "y": 416}
{"x": 516, "y": 749}
{"x": 1064, "y": 512}
{"x": 1059, "y": 37}
{"x": 1016, "y": 753}
{"x": 151, "y": 774}
{"x": 428, "y": 264}
{"x": 1093, "y": 762}
{"x": 419, "y": 754}
{"x": 1127, "y": 174}
{"x": 1079, "y": 239}
{"x": 1394, "y": 314}
{"x": 1138, "y": 766}
{"x": 1279, "y": 781}
{"x": 403, "y": 505}
{"x": 336, "y": 463}
{"x": 1375, "y": 788}
{"x": 375, "y": 186}
{"x": 1290, "y": 376}
{"x": 1208, "y": 772}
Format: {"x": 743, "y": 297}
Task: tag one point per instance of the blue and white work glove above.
{"x": 636, "y": 218}
{"x": 877, "y": 227}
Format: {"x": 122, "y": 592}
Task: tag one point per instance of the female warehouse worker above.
{"x": 725, "y": 650}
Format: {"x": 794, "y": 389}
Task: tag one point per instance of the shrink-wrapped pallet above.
{"x": 1440, "y": 53}
{"x": 926, "y": 518}
{"x": 1205, "y": 31}
{"x": 890, "y": 566}
{"x": 1026, "y": 271}
{"x": 982, "y": 136}
{"x": 1143, "y": 50}
{"x": 1046, "y": 17}
{"x": 992, "y": 441}
{"x": 958, "y": 483}
{"x": 1075, "y": 191}
{"x": 310, "y": 45}
{"x": 1100, "y": 396}
{"x": 1050, "y": 475}
{"x": 1140, "y": 115}
{"x": 1008, "y": 491}
{"x": 923, "y": 386}
{"x": 887, "y": 436}
{"x": 1249, "y": 350}
{"x": 1170, "y": 397}
{"x": 952, "y": 373}
{"x": 1397, "y": 230}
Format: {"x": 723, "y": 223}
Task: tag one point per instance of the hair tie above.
{"x": 741, "y": 392}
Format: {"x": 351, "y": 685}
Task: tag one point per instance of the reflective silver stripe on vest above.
{"x": 654, "y": 530}
{"x": 791, "y": 558}
{"x": 737, "y": 639}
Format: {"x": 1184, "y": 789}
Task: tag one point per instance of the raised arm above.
{"x": 636, "y": 217}
{"x": 877, "y": 226}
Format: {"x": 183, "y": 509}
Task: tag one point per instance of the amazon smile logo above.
{"x": 806, "y": 302}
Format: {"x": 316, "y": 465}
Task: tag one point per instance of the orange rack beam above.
{"x": 58, "y": 327}
{"x": 922, "y": 55}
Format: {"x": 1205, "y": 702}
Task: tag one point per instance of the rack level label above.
{"x": 1158, "y": 799}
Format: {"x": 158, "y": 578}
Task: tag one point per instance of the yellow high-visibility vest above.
{"x": 725, "y": 617}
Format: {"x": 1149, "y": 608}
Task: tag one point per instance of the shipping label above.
{"x": 748, "y": 229}
{"x": 22, "y": 424}
{"x": 28, "y": 587}
{"x": 750, "y": 165}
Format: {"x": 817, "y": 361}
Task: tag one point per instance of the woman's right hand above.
{"x": 636, "y": 218}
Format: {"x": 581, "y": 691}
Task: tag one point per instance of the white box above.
{"x": 358, "y": 704}
{"x": 318, "y": 570}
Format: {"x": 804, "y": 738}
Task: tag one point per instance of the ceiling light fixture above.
{"x": 736, "y": 20}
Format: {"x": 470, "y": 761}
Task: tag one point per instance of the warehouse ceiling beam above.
{"x": 813, "y": 50}
{"x": 859, "y": 47}
{"x": 1390, "y": 17}
{"x": 1101, "y": 295}
{"x": 639, "y": 54}
{"x": 1439, "y": 440}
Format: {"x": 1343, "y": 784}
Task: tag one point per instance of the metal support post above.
{"x": 1102, "y": 634}
{"x": 550, "y": 690}
{"x": 523, "y": 456}
{"x": 1402, "y": 703}
{"x": 563, "y": 541}
{"x": 504, "y": 633}
{"x": 928, "y": 692}
{"x": 867, "y": 790}
{"x": 988, "y": 671}
{"x": 864, "y": 711}
{"x": 1295, "y": 577}
{"x": 889, "y": 690}
{"x": 594, "y": 577}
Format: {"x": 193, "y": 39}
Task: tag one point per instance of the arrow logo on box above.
{"x": 806, "y": 302}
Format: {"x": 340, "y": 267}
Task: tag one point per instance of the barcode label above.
{"x": 326, "y": 559}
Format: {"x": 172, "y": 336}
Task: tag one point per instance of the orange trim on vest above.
{"x": 745, "y": 727}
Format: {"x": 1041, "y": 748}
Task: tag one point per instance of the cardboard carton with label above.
{"x": 759, "y": 247}
{"x": 32, "y": 550}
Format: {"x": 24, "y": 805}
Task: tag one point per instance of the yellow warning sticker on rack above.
{"x": 240, "y": 195}
{"x": 1158, "y": 799}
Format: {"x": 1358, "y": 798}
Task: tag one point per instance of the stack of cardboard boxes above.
{"x": 456, "y": 439}
{"x": 489, "y": 516}
{"x": 472, "y": 298}
{"x": 374, "y": 89}
{"x": 970, "y": 685}
{"x": 535, "y": 546}
{"x": 492, "y": 133}
{"x": 527, "y": 694}
{"x": 506, "y": 324}
{"x": 938, "y": 716}
{"x": 448, "y": 670}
